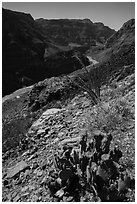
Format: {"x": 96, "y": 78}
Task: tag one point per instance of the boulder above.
{"x": 19, "y": 167}
{"x": 70, "y": 140}
{"x": 35, "y": 155}
{"x": 59, "y": 193}
{"x": 51, "y": 111}
{"x": 38, "y": 124}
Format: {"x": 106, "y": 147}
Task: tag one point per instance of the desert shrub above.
{"x": 110, "y": 114}
{"x": 90, "y": 82}
{"x": 123, "y": 108}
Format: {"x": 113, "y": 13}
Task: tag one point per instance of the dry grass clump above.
{"x": 111, "y": 114}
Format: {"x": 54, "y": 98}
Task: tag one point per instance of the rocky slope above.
{"x": 37, "y": 124}
{"x": 74, "y": 32}
{"x": 53, "y": 92}
{"x": 126, "y": 34}
{"x": 19, "y": 112}
{"x": 121, "y": 45}
{"x": 119, "y": 51}
{"x": 26, "y": 172}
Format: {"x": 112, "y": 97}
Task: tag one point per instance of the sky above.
{"x": 112, "y": 14}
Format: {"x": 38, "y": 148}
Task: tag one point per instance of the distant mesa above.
{"x": 80, "y": 31}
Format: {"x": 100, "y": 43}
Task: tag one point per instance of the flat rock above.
{"x": 70, "y": 140}
{"x": 35, "y": 155}
{"x": 56, "y": 140}
{"x": 43, "y": 117}
{"x": 13, "y": 171}
{"x": 60, "y": 193}
{"x": 26, "y": 153}
{"x": 51, "y": 111}
{"x": 25, "y": 194}
{"x": 40, "y": 198}
{"x": 40, "y": 131}
{"x": 25, "y": 188}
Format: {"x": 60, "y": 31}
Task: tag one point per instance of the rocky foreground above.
{"x": 27, "y": 170}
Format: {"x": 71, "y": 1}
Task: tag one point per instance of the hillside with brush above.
{"x": 37, "y": 136}
{"x": 121, "y": 44}
{"x": 61, "y": 145}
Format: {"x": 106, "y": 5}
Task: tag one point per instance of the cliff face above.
{"x": 23, "y": 48}
{"x": 26, "y": 52}
{"x": 119, "y": 49}
{"x": 65, "y": 31}
{"x": 122, "y": 44}
{"x": 126, "y": 34}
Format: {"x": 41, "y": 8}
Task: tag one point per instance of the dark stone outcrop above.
{"x": 29, "y": 55}
{"x": 23, "y": 47}
{"x": 125, "y": 34}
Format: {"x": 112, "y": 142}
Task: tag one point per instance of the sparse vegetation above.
{"x": 95, "y": 98}
{"x": 90, "y": 82}
{"x": 111, "y": 114}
